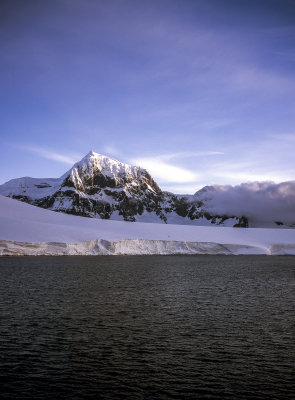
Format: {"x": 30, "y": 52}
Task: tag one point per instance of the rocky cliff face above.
{"x": 101, "y": 187}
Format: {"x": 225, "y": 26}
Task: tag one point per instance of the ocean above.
{"x": 147, "y": 327}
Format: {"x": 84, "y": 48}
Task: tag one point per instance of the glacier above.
{"x": 30, "y": 230}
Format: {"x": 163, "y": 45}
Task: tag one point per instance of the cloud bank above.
{"x": 263, "y": 201}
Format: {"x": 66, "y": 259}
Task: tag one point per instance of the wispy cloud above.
{"x": 184, "y": 189}
{"x": 232, "y": 176}
{"x": 188, "y": 154}
{"x": 164, "y": 171}
{"x": 52, "y": 155}
{"x": 271, "y": 159}
{"x": 165, "y": 168}
{"x": 183, "y": 56}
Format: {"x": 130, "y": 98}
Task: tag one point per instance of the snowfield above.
{"x": 29, "y": 230}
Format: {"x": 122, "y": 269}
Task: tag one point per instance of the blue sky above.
{"x": 198, "y": 92}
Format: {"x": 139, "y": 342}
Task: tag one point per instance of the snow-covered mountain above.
{"x": 101, "y": 187}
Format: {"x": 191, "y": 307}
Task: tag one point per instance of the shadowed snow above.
{"x": 21, "y": 222}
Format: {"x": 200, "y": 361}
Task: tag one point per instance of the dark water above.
{"x": 179, "y": 327}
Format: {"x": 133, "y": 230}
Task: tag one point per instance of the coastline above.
{"x": 138, "y": 247}
{"x": 29, "y": 230}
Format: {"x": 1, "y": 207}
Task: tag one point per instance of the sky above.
{"x": 199, "y": 92}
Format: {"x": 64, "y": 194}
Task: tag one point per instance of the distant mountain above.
{"x": 101, "y": 187}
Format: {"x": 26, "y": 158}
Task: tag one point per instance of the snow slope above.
{"x": 26, "y": 229}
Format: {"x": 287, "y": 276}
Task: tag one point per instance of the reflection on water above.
{"x": 147, "y": 327}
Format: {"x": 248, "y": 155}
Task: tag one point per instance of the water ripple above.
{"x": 172, "y": 327}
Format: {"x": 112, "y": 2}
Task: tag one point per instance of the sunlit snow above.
{"x": 21, "y": 222}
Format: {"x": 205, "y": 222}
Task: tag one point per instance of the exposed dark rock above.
{"x": 98, "y": 186}
{"x": 243, "y": 223}
{"x": 42, "y": 186}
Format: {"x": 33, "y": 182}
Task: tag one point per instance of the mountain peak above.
{"x": 91, "y": 154}
{"x": 95, "y": 161}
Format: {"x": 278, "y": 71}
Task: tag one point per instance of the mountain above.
{"x": 101, "y": 187}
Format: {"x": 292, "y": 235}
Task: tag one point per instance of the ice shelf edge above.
{"x": 137, "y": 247}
